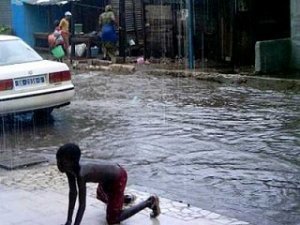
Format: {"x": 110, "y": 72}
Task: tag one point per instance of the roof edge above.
{"x": 46, "y": 2}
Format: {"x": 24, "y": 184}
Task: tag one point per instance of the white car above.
{"x": 30, "y": 83}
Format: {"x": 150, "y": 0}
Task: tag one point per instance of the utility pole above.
{"x": 145, "y": 30}
{"x": 72, "y": 32}
{"x": 122, "y": 31}
{"x": 191, "y": 56}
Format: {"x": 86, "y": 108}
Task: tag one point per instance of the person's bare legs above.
{"x": 152, "y": 203}
{"x": 104, "y": 51}
{"x": 129, "y": 199}
{"x": 111, "y": 52}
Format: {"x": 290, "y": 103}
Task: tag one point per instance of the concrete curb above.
{"x": 267, "y": 83}
{"x": 260, "y": 82}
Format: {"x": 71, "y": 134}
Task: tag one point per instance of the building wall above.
{"x": 5, "y": 13}
{"x": 28, "y": 19}
{"x": 295, "y": 34}
{"x": 160, "y": 36}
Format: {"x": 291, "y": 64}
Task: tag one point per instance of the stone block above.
{"x": 122, "y": 68}
{"x": 272, "y": 55}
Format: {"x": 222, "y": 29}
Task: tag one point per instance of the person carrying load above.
{"x": 56, "y": 42}
{"x": 107, "y": 23}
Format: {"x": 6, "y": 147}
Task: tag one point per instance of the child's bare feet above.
{"x": 154, "y": 206}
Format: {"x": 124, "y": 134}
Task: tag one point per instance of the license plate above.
{"x": 27, "y": 82}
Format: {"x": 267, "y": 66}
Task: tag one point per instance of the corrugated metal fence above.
{"x": 133, "y": 16}
{"x": 5, "y": 13}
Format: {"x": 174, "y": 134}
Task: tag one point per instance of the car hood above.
{"x": 31, "y": 68}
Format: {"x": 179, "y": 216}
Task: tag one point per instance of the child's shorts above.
{"x": 115, "y": 198}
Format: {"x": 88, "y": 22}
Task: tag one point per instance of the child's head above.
{"x": 68, "y": 157}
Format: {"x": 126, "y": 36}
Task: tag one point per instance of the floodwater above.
{"x": 230, "y": 149}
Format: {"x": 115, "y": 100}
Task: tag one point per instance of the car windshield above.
{"x": 17, "y": 51}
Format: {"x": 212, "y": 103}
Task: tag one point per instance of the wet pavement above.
{"x": 41, "y": 192}
{"x": 229, "y": 149}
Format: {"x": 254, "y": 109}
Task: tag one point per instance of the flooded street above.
{"x": 228, "y": 149}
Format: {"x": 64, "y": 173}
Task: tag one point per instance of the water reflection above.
{"x": 21, "y": 130}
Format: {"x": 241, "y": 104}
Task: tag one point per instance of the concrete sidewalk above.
{"x": 39, "y": 196}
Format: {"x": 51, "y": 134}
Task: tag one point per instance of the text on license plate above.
{"x": 30, "y": 81}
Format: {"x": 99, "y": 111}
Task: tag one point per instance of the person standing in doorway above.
{"x": 64, "y": 26}
{"x": 107, "y": 24}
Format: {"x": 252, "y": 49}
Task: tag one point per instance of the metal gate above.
{"x": 5, "y": 13}
{"x": 133, "y": 17}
